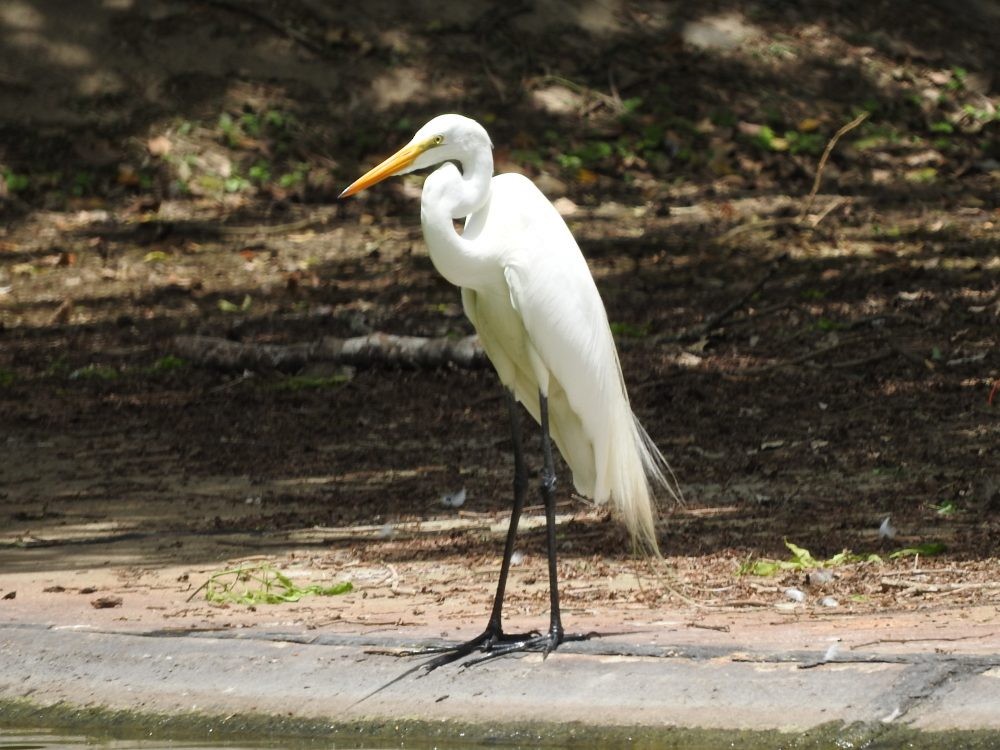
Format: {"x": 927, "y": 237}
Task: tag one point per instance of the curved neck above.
{"x": 449, "y": 194}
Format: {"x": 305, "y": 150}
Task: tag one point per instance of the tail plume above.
{"x": 642, "y": 474}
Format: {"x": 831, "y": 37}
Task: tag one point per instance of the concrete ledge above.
{"x": 231, "y": 680}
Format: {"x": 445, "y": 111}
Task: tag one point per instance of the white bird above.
{"x": 528, "y": 292}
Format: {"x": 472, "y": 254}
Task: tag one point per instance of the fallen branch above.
{"x": 798, "y": 222}
{"x": 933, "y": 639}
{"x": 864, "y": 361}
{"x": 258, "y": 14}
{"x": 361, "y": 351}
{"x": 146, "y": 231}
{"x": 802, "y": 357}
{"x": 912, "y": 588}
{"x": 715, "y": 320}
{"x": 826, "y": 155}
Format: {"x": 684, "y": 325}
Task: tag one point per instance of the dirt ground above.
{"x": 806, "y": 379}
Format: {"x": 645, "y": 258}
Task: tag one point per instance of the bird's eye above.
{"x": 438, "y": 140}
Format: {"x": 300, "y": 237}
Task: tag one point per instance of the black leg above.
{"x": 494, "y": 634}
{"x": 493, "y": 640}
{"x": 544, "y": 642}
{"x": 549, "y": 495}
{"x": 520, "y": 486}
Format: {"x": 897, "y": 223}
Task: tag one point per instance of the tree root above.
{"x": 361, "y": 351}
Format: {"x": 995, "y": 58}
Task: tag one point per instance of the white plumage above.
{"x": 528, "y": 291}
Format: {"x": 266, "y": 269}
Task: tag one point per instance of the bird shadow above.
{"x": 433, "y": 652}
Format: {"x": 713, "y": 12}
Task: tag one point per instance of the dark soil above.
{"x": 848, "y": 382}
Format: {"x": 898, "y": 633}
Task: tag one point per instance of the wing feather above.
{"x": 546, "y": 326}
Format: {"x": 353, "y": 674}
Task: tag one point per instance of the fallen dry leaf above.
{"x": 159, "y": 145}
{"x": 62, "y": 313}
{"x": 106, "y": 602}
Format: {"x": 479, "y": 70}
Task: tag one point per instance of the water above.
{"x": 45, "y": 740}
{"x": 843, "y": 738}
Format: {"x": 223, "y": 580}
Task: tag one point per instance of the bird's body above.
{"x": 543, "y": 326}
{"x": 529, "y": 293}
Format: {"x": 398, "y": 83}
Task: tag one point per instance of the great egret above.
{"x": 530, "y": 295}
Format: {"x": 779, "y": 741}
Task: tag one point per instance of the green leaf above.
{"x": 928, "y": 549}
{"x": 825, "y": 324}
{"x": 922, "y": 175}
{"x": 335, "y": 590}
{"x": 168, "y": 363}
{"x": 631, "y": 104}
{"x": 231, "y": 307}
{"x": 290, "y": 179}
{"x": 155, "y": 256}
{"x": 805, "y": 143}
{"x": 629, "y": 330}
{"x": 259, "y": 172}
{"x": 235, "y": 184}
{"x": 802, "y": 559}
{"x": 16, "y": 182}
{"x": 841, "y": 558}
{"x": 760, "y": 568}
{"x": 262, "y": 583}
{"x": 800, "y": 556}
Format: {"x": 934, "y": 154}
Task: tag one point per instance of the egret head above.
{"x": 445, "y": 138}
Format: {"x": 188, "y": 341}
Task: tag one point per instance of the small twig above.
{"x": 715, "y": 320}
{"x": 926, "y": 572}
{"x": 834, "y": 205}
{"x": 720, "y": 628}
{"x": 735, "y": 603}
{"x": 598, "y": 98}
{"x": 802, "y": 357}
{"x": 826, "y": 155}
{"x": 921, "y": 587}
{"x": 907, "y": 354}
{"x": 862, "y": 361}
{"x": 246, "y": 9}
{"x": 756, "y": 226}
{"x": 798, "y": 221}
{"x": 498, "y": 15}
{"x": 197, "y": 590}
{"x": 880, "y": 641}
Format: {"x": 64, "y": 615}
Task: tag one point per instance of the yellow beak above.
{"x": 399, "y": 160}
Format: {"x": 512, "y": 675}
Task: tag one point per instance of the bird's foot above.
{"x": 544, "y": 643}
{"x": 489, "y": 640}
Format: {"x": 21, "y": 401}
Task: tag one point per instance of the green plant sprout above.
{"x": 802, "y": 559}
{"x": 928, "y": 549}
{"x": 261, "y": 583}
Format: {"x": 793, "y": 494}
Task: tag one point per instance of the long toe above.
{"x": 488, "y": 641}
{"x": 544, "y": 643}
